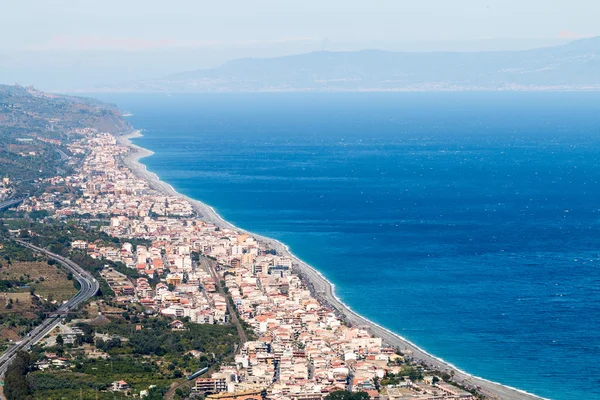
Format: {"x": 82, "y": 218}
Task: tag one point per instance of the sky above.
{"x": 69, "y": 44}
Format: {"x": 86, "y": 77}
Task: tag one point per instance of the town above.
{"x": 299, "y": 349}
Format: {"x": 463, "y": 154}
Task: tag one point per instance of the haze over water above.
{"x": 466, "y": 222}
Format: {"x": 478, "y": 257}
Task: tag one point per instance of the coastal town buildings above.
{"x": 301, "y": 349}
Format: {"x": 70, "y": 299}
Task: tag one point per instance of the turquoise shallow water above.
{"x": 468, "y": 223}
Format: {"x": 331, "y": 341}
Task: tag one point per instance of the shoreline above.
{"x": 322, "y": 289}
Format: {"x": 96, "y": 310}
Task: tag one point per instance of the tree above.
{"x": 60, "y": 341}
{"x": 346, "y": 395}
{"x": 15, "y": 383}
{"x": 415, "y": 375}
{"x": 183, "y": 393}
{"x": 156, "y": 393}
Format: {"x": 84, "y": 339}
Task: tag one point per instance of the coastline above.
{"x": 322, "y": 289}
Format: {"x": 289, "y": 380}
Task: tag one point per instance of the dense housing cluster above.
{"x": 192, "y": 269}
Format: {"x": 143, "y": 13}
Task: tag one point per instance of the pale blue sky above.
{"x": 176, "y": 35}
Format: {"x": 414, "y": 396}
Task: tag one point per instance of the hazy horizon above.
{"x": 65, "y": 45}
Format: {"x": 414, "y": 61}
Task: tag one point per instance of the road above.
{"x": 63, "y": 155}
{"x": 88, "y": 288}
{"x": 10, "y": 203}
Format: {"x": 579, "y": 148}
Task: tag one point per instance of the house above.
{"x": 210, "y": 385}
{"x": 79, "y": 245}
{"x": 177, "y": 325}
{"x": 128, "y": 290}
{"x": 60, "y": 362}
{"x": 119, "y": 386}
{"x": 42, "y": 365}
{"x": 373, "y": 394}
{"x": 69, "y": 337}
{"x": 173, "y": 279}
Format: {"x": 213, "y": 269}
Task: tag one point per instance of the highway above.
{"x": 63, "y": 155}
{"x": 10, "y": 203}
{"x": 88, "y": 288}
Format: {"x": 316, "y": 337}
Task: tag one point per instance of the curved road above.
{"x": 10, "y": 203}
{"x": 88, "y": 288}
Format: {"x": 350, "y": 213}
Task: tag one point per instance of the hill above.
{"x": 28, "y": 109}
{"x": 35, "y": 128}
{"x": 574, "y": 66}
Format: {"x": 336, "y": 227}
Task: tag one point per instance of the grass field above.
{"x": 17, "y": 306}
{"x": 49, "y": 281}
{"x": 21, "y": 303}
{"x": 16, "y": 310}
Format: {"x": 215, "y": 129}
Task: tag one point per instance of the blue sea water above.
{"x": 468, "y": 223}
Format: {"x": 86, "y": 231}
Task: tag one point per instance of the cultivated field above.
{"x": 49, "y": 281}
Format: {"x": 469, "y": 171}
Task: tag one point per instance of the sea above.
{"x": 468, "y": 223}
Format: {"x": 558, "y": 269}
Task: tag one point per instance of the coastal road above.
{"x": 88, "y": 288}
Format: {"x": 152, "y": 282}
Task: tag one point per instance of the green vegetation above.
{"x": 346, "y": 395}
{"x": 414, "y": 373}
{"x": 12, "y": 251}
{"x": 155, "y": 338}
{"x": 57, "y": 236}
{"x": 56, "y": 116}
{"x": 142, "y": 353}
{"x": 43, "y": 277}
{"x": 15, "y": 382}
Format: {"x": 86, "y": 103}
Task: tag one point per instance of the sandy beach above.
{"x": 322, "y": 288}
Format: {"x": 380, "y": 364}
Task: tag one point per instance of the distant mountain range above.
{"x": 574, "y": 66}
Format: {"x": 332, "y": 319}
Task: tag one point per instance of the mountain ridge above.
{"x": 572, "y": 66}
